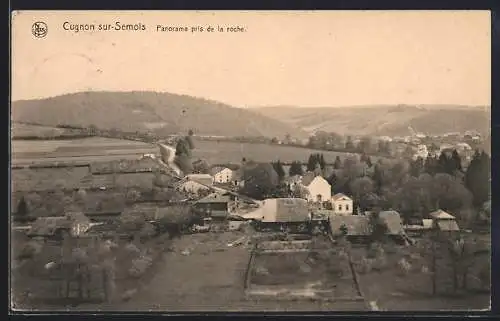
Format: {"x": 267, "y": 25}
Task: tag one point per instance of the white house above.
{"x": 342, "y": 204}
{"x": 319, "y": 189}
{"x": 222, "y": 175}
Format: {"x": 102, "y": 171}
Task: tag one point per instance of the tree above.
{"x": 22, "y": 210}
{"x": 278, "y": 167}
{"x": 349, "y": 145}
{"x": 300, "y": 191}
{"x": 183, "y": 161}
{"x": 456, "y": 161}
{"x": 445, "y": 164}
{"x": 338, "y": 163}
{"x": 364, "y": 145}
{"x": 201, "y": 166}
{"x": 295, "y": 169}
{"x": 431, "y": 165}
{"x": 312, "y": 162}
{"x": 378, "y": 227}
{"x": 321, "y": 161}
{"x": 260, "y": 180}
{"x": 361, "y": 189}
{"x": 369, "y": 162}
{"x": 417, "y": 167}
{"x": 477, "y": 178}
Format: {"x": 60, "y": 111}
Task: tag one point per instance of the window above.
{"x": 347, "y": 207}
{"x": 340, "y": 207}
{"x": 318, "y": 198}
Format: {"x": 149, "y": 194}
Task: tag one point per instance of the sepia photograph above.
{"x": 250, "y": 161}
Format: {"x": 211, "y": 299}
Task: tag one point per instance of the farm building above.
{"x": 216, "y": 205}
{"x": 280, "y": 213}
{"x": 342, "y": 204}
{"x": 284, "y": 210}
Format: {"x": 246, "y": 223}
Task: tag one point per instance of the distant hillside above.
{"x": 383, "y": 119}
{"x": 141, "y": 111}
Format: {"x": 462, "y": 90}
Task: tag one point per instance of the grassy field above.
{"x": 223, "y": 152}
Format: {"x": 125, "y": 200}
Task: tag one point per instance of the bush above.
{"x": 132, "y": 248}
{"x": 375, "y": 250}
{"x": 140, "y": 265}
{"x": 404, "y": 266}
{"x": 29, "y": 251}
{"x": 79, "y": 255}
{"x": 365, "y": 265}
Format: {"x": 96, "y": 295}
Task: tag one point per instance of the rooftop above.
{"x": 441, "y": 215}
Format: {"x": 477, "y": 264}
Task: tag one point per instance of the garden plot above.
{"x": 318, "y": 274}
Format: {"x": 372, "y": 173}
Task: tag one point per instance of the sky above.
{"x": 315, "y": 58}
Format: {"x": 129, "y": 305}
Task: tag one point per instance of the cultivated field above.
{"x": 78, "y": 151}
{"x": 87, "y": 150}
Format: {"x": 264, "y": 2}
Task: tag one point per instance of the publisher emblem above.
{"x": 39, "y": 29}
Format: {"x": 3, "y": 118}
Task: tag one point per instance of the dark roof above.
{"x": 339, "y": 196}
{"x": 215, "y": 198}
{"x": 217, "y": 169}
{"x": 356, "y": 224}
{"x": 441, "y": 215}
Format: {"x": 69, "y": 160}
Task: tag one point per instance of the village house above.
{"x": 221, "y": 175}
{"x": 342, "y": 204}
{"x": 444, "y": 222}
{"x": 319, "y": 190}
{"x": 216, "y": 205}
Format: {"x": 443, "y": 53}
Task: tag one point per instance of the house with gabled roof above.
{"x": 319, "y": 190}
{"x": 221, "y": 175}
{"x": 444, "y": 221}
{"x": 342, "y": 204}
